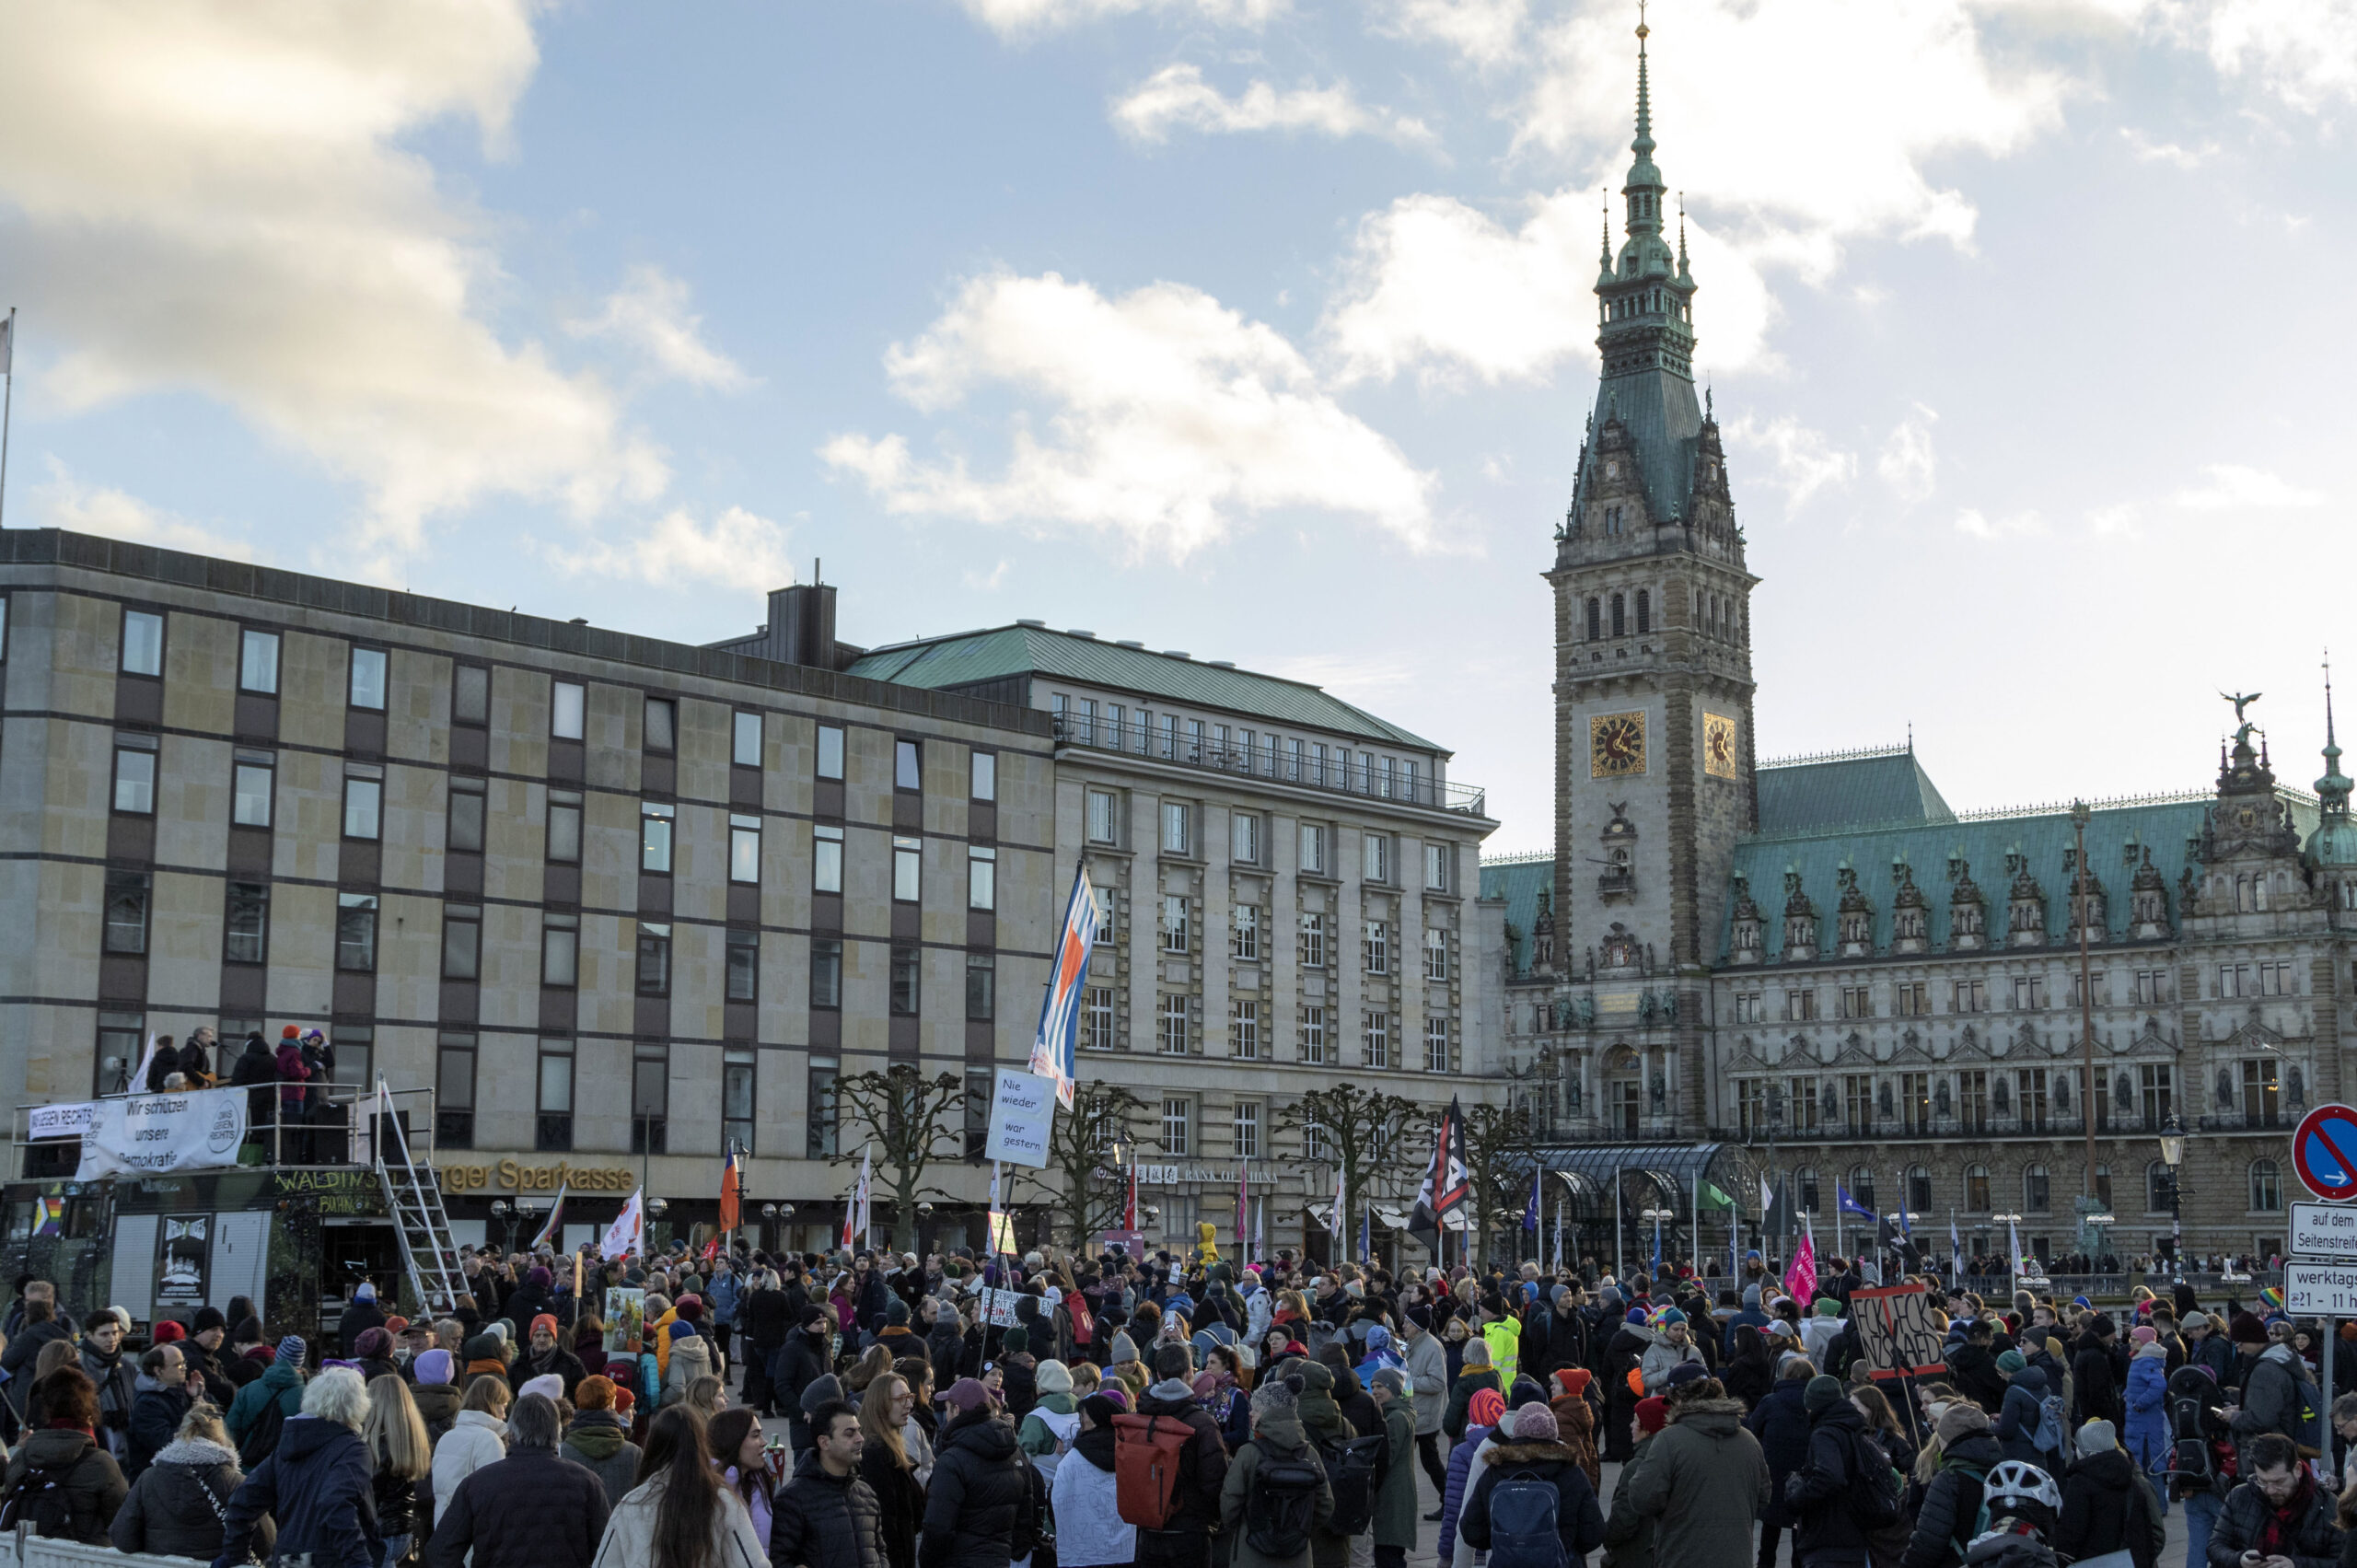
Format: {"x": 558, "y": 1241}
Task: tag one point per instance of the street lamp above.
{"x": 1657, "y": 1215}
{"x": 2173, "y": 1155}
{"x": 509, "y": 1216}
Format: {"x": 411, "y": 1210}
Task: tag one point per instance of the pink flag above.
{"x": 1800, "y": 1279}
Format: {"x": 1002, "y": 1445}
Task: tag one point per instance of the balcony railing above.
{"x": 1834, "y": 1130}
{"x": 1410, "y": 782}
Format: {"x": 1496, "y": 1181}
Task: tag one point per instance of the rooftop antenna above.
{"x": 816, "y": 578}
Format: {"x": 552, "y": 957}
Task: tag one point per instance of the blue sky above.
{"x": 1256, "y": 328}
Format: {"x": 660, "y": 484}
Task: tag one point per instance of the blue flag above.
{"x": 1656, "y": 1247}
{"x": 1852, "y": 1206}
{"x": 1530, "y": 1210}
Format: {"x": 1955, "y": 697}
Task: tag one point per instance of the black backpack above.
{"x": 261, "y": 1441}
{"x": 1355, "y": 1469}
{"x": 1875, "y": 1488}
{"x": 1524, "y": 1531}
{"x": 40, "y": 1500}
{"x": 1281, "y": 1502}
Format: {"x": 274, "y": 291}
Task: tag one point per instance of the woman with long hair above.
{"x": 478, "y": 1436}
{"x": 885, "y": 1466}
{"x": 737, "y": 1449}
{"x": 400, "y": 1456}
{"x": 874, "y": 1363}
{"x": 680, "y": 1515}
{"x": 916, "y": 1432}
{"x": 706, "y": 1396}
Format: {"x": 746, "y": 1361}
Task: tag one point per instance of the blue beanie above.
{"x": 290, "y": 1350}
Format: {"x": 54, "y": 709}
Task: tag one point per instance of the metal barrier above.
{"x": 22, "y": 1550}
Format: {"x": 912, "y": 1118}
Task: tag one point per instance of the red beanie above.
{"x": 289, "y": 1032}
{"x": 169, "y": 1331}
{"x": 1653, "y": 1414}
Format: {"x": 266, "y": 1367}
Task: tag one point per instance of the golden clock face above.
{"x": 1616, "y": 745}
{"x": 1718, "y": 746}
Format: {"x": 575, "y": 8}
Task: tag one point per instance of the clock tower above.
{"x": 1653, "y": 663}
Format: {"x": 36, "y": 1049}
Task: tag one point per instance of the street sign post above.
{"x": 2328, "y": 1290}
{"x": 2324, "y": 1232}
{"x": 2324, "y": 1152}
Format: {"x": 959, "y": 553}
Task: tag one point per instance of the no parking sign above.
{"x": 2324, "y": 1151}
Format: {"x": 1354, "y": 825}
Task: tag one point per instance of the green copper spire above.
{"x": 2335, "y": 840}
{"x": 1643, "y": 146}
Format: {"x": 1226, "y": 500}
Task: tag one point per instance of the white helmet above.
{"x": 2015, "y": 1481}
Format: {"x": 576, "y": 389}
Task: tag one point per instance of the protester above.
{"x": 158, "y": 1405}
{"x": 739, "y": 1452}
{"x": 315, "y": 1484}
{"x": 400, "y": 1455}
{"x": 889, "y": 1471}
{"x": 477, "y": 1438}
{"x": 175, "y": 1507}
{"x": 1536, "y": 1451}
{"x": 532, "y": 1509}
{"x": 980, "y": 1511}
{"x": 64, "y": 1454}
{"x": 1090, "y": 1531}
{"x": 1705, "y": 1481}
{"x": 598, "y": 1440}
{"x": 2278, "y": 1512}
{"x": 827, "y": 1517}
{"x": 2104, "y": 1503}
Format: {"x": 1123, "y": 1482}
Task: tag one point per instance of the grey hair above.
{"x": 338, "y": 1395}
{"x": 534, "y": 1422}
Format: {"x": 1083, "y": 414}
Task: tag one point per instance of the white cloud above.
{"x": 2121, "y": 521}
{"x": 1973, "y": 524}
{"x": 64, "y": 503}
{"x": 2306, "y": 54}
{"x": 221, "y": 199}
{"x": 2147, "y": 150}
{"x": 1178, "y": 96}
{"x": 1908, "y": 463}
{"x": 1484, "y": 32}
{"x": 1166, "y": 415}
{"x": 1011, "y": 18}
{"x": 2232, "y": 487}
{"x": 650, "y": 313}
{"x": 1805, "y": 461}
{"x": 736, "y": 550}
{"x": 1435, "y": 284}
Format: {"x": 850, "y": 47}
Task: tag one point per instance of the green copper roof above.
{"x": 1810, "y": 795}
{"x": 977, "y": 657}
{"x": 1518, "y": 882}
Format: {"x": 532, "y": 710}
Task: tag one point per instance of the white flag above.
{"x": 1340, "y": 1205}
{"x": 866, "y": 1218}
{"x": 8, "y": 343}
{"x": 627, "y": 1233}
{"x": 138, "y": 1082}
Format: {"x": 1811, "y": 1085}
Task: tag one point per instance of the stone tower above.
{"x": 1653, "y": 661}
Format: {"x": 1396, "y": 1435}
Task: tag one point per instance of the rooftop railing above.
{"x": 1304, "y": 764}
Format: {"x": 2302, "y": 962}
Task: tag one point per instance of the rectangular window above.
{"x": 1915, "y": 1102}
{"x": 1175, "y": 921}
{"x": 650, "y": 1097}
{"x": 1376, "y": 949}
{"x": 981, "y": 877}
{"x": 1972, "y": 996}
{"x": 257, "y": 663}
{"x": 2029, "y": 992}
{"x": 1972, "y": 1100}
{"x": 355, "y": 932}
{"x": 1105, "y": 903}
{"x": 369, "y": 679}
{"x": 2030, "y": 1098}
{"x": 1313, "y": 941}
{"x": 654, "y": 829}
{"x": 245, "y": 938}
{"x": 1313, "y": 1037}
{"x": 1317, "y": 762}
{"x": 1857, "y": 1102}
{"x": 1857, "y": 1002}
{"x": 653, "y": 958}
{"x": 825, "y": 973}
{"x": 826, "y": 860}
{"x": 1800, "y": 1005}
{"x": 568, "y": 710}
{"x": 143, "y": 642}
{"x": 1171, "y": 1019}
{"x": 1085, "y": 726}
{"x": 662, "y": 724}
{"x": 744, "y": 848}
{"x": 363, "y": 802}
{"x": 908, "y": 863}
{"x": 1244, "y": 838}
{"x": 1435, "y": 1045}
{"x": 252, "y": 784}
{"x": 1976, "y": 1189}
{"x": 1100, "y": 817}
{"x": 1437, "y": 859}
{"x": 1750, "y": 1007}
{"x": 736, "y": 1067}
{"x": 469, "y": 694}
{"x": 821, "y": 1115}
{"x": 553, "y": 1128}
{"x": 560, "y": 950}
{"x": 1313, "y": 1142}
{"x": 564, "y": 826}
{"x": 984, "y": 770}
{"x": 1177, "y": 836}
{"x": 1248, "y": 1130}
{"x": 1098, "y": 1017}
{"x": 134, "y": 775}
{"x": 908, "y": 765}
{"x": 2275, "y": 980}
{"x": 454, "y": 1091}
{"x": 831, "y": 751}
{"x": 1177, "y": 1124}
{"x": 462, "y": 942}
{"x": 980, "y": 1088}
{"x": 745, "y": 739}
{"x": 2153, "y": 1086}
{"x": 1195, "y": 741}
{"x": 2152, "y": 986}
{"x": 981, "y": 988}
{"x": 1374, "y": 1036}
{"x": 2102, "y": 979}
{"x": 1244, "y": 938}
{"x": 744, "y": 966}
{"x": 1436, "y": 955}
{"x": 1243, "y": 1031}
{"x": 2260, "y": 1097}
{"x": 1313, "y": 848}
{"x": 465, "y": 828}
{"x": 1912, "y": 998}
{"x": 906, "y": 969}
{"x": 1377, "y": 858}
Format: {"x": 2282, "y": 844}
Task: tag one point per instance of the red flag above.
{"x": 1130, "y": 1210}
{"x": 732, "y": 1189}
{"x": 711, "y": 1249}
{"x": 1800, "y": 1279}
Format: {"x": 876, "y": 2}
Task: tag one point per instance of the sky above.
{"x": 1256, "y": 328}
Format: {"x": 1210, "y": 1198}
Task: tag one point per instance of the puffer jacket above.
{"x": 1951, "y": 1502}
{"x": 692, "y": 1356}
{"x": 979, "y": 1505}
{"x": 175, "y": 1507}
{"x": 2148, "y": 1401}
{"x": 2018, "y": 1421}
{"x": 1579, "y": 1521}
{"x": 598, "y": 1444}
{"x": 532, "y": 1506}
{"x": 2315, "y": 1544}
{"x": 629, "y": 1535}
{"x": 316, "y": 1487}
{"x": 1461, "y": 1477}
{"x": 1705, "y": 1482}
{"x": 93, "y": 1483}
{"x": 1781, "y": 1422}
{"x": 1662, "y": 1358}
{"x": 473, "y": 1441}
{"x": 2270, "y": 1398}
{"x": 824, "y": 1520}
{"x": 1825, "y": 1530}
{"x": 2101, "y": 1512}
{"x": 155, "y": 1412}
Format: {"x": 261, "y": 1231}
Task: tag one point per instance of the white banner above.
{"x": 1023, "y": 1113}
{"x": 628, "y": 1232}
{"x": 68, "y": 1121}
{"x": 158, "y": 1135}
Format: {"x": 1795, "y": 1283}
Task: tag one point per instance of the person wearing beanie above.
{"x": 598, "y": 1438}
{"x": 2276, "y": 1383}
{"x": 544, "y": 1356}
{"x": 360, "y": 1315}
{"x": 1053, "y": 1419}
{"x": 2021, "y": 1423}
{"x": 435, "y": 1393}
{"x": 1628, "y": 1534}
{"x": 1951, "y": 1500}
{"x": 2094, "y": 1377}
{"x": 1827, "y": 1531}
{"x": 2147, "y": 1398}
{"x": 2100, "y": 1512}
{"x": 1535, "y": 1447}
{"x": 1704, "y": 1480}
{"x": 485, "y": 1352}
{"x": 1781, "y": 1422}
{"x": 802, "y": 1362}
{"x": 372, "y": 1354}
{"x": 1018, "y": 1372}
{"x": 549, "y": 1387}
{"x": 692, "y": 1351}
{"x": 279, "y": 1386}
{"x": 1576, "y": 1420}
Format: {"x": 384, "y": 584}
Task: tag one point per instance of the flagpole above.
{"x": 8, "y": 407}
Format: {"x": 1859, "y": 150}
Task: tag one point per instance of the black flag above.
{"x": 1447, "y": 1182}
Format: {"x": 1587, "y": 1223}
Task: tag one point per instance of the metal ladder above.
{"x": 413, "y": 1196}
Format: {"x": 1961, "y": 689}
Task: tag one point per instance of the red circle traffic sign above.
{"x": 2324, "y": 1151}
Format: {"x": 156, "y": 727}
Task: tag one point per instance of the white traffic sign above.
{"x": 2326, "y": 1289}
{"x": 2325, "y": 1231}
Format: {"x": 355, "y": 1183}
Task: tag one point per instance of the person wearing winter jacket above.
{"x": 1704, "y": 1480}
{"x": 678, "y": 1456}
{"x": 1486, "y": 1411}
{"x": 1427, "y": 1367}
{"x": 1672, "y": 1347}
{"x": 1054, "y": 1419}
{"x": 159, "y": 1403}
{"x": 281, "y": 1381}
{"x": 315, "y": 1486}
{"x": 598, "y": 1439}
{"x": 114, "y": 1374}
{"x": 175, "y": 1507}
{"x": 255, "y": 1071}
{"x": 1202, "y": 1463}
{"x": 2024, "y": 1410}
{"x": 1827, "y": 1531}
{"x": 288, "y": 1070}
{"x": 66, "y": 1447}
{"x": 362, "y": 1315}
{"x": 1535, "y": 1450}
{"x": 692, "y": 1356}
{"x": 1628, "y": 1534}
{"x": 801, "y": 1363}
{"x": 1624, "y": 1352}
{"x": 1090, "y": 1531}
{"x": 1476, "y": 1374}
{"x": 1943, "y": 1520}
{"x": 2094, "y": 1377}
{"x": 1781, "y": 1422}
{"x": 1575, "y": 1419}
{"x": 478, "y": 1438}
{"x": 2100, "y": 1510}
{"x": 434, "y": 1393}
{"x": 2280, "y": 1503}
{"x": 980, "y": 1511}
{"x": 1277, "y": 1434}
{"x": 542, "y": 1356}
{"x": 2273, "y": 1389}
{"x": 532, "y": 1509}
{"x": 2148, "y": 1401}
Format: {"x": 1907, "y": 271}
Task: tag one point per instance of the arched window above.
{"x": 1919, "y": 1190}
{"x": 1644, "y": 610}
{"x": 2103, "y": 1187}
{"x": 2157, "y": 1187}
{"x": 1976, "y": 1189}
{"x": 1807, "y": 1184}
{"x": 1862, "y": 1186}
{"x": 1620, "y": 617}
{"x": 1595, "y": 620}
{"x": 2266, "y": 1186}
{"x": 2035, "y": 1199}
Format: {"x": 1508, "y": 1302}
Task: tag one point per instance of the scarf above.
{"x": 2279, "y": 1528}
{"x": 487, "y": 1363}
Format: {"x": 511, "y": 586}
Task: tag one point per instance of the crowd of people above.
{"x": 874, "y": 1410}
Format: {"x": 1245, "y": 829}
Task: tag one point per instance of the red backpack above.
{"x": 1081, "y": 1324}
{"x": 1145, "y": 1468}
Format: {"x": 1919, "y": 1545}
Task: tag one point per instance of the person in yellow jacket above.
{"x": 1502, "y": 1334}
{"x": 658, "y": 1331}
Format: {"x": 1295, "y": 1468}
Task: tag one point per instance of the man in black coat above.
{"x": 826, "y": 1516}
{"x": 532, "y": 1509}
{"x": 256, "y": 1073}
{"x": 2277, "y": 1489}
{"x": 1202, "y": 1463}
{"x": 1975, "y": 1364}
{"x": 41, "y": 1326}
{"x": 2094, "y": 1375}
{"x": 801, "y": 1363}
{"x": 1826, "y": 1532}
{"x": 980, "y": 1511}
{"x": 764, "y": 1318}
